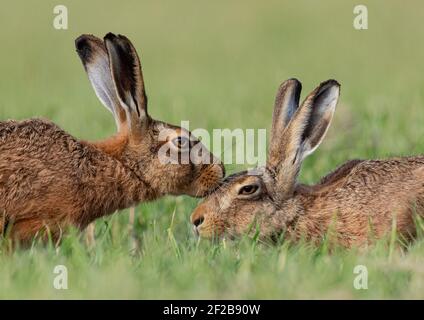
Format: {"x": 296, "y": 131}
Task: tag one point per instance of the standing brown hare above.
{"x": 360, "y": 201}
{"x": 50, "y": 180}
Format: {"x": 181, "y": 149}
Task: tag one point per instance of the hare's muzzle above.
{"x": 208, "y": 179}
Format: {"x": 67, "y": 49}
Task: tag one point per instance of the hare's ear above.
{"x": 286, "y": 104}
{"x": 126, "y": 74}
{"x": 93, "y": 55}
{"x": 304, "y": 133}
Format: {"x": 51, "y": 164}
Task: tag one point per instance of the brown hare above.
{"x": 360, "y": 201}
{"x": 50, "y": 180}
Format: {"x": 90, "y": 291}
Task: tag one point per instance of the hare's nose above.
{"x": 198, "y": 221}
{"x": 197, "y": 217}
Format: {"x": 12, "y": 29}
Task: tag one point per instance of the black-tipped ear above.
{"x": 95, "y": 60}
{"x": 303, "y": 135}
{"x": 286, "y": 104}
{"x": 127, "y": 75}
{"x": 323, "y": 106}
{"x": 85, "y": 45}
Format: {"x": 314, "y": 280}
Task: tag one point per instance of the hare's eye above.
{"x": 181, "y": 142}
{"x": 249, "y": 189}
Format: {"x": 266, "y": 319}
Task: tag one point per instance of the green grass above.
{"x": 218, "y": 64}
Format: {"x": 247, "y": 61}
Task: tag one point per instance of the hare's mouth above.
{"x": 212, "y": 236}
{"x": 196, "y": 232}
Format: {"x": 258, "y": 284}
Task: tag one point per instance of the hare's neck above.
{"x": 115, "y": 185}
{"x": 288, "y": 215}
{"x": 113, "y": 146}
{"x": 304, "y": 217}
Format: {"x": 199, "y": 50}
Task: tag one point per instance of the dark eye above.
{"x": 249, "y": 189}
{"x": 181, "y": 142}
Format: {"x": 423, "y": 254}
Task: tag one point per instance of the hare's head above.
{"x": 264, "y": 198}
{"x": 168, "y": 158}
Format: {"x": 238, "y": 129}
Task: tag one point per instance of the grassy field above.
{"x": 218, "y": 64}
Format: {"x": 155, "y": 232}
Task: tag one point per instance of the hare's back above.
{"x": 369, "y": 188}
{"x": 31, "y": 134}
{"x": 35, "y": 138}
{"x": 372, "y": 174}
{"x": 379, "y": 189}
{"x": 365, "y": 194}
{"x": 34, "y": 148}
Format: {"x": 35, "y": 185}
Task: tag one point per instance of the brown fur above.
{"x": 363, "y": 203}
{"x": 358, "y": 202}
{"x": 50, "y": 180}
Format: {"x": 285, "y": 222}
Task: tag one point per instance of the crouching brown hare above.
{"x": 50, "y": 180}
{"x": 360, "y": 201}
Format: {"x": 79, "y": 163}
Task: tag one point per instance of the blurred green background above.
{"x": 218, "y": 64}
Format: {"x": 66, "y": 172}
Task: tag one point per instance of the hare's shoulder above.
{"x": 331, "y": 180}
{"x": 341, "y": 172}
